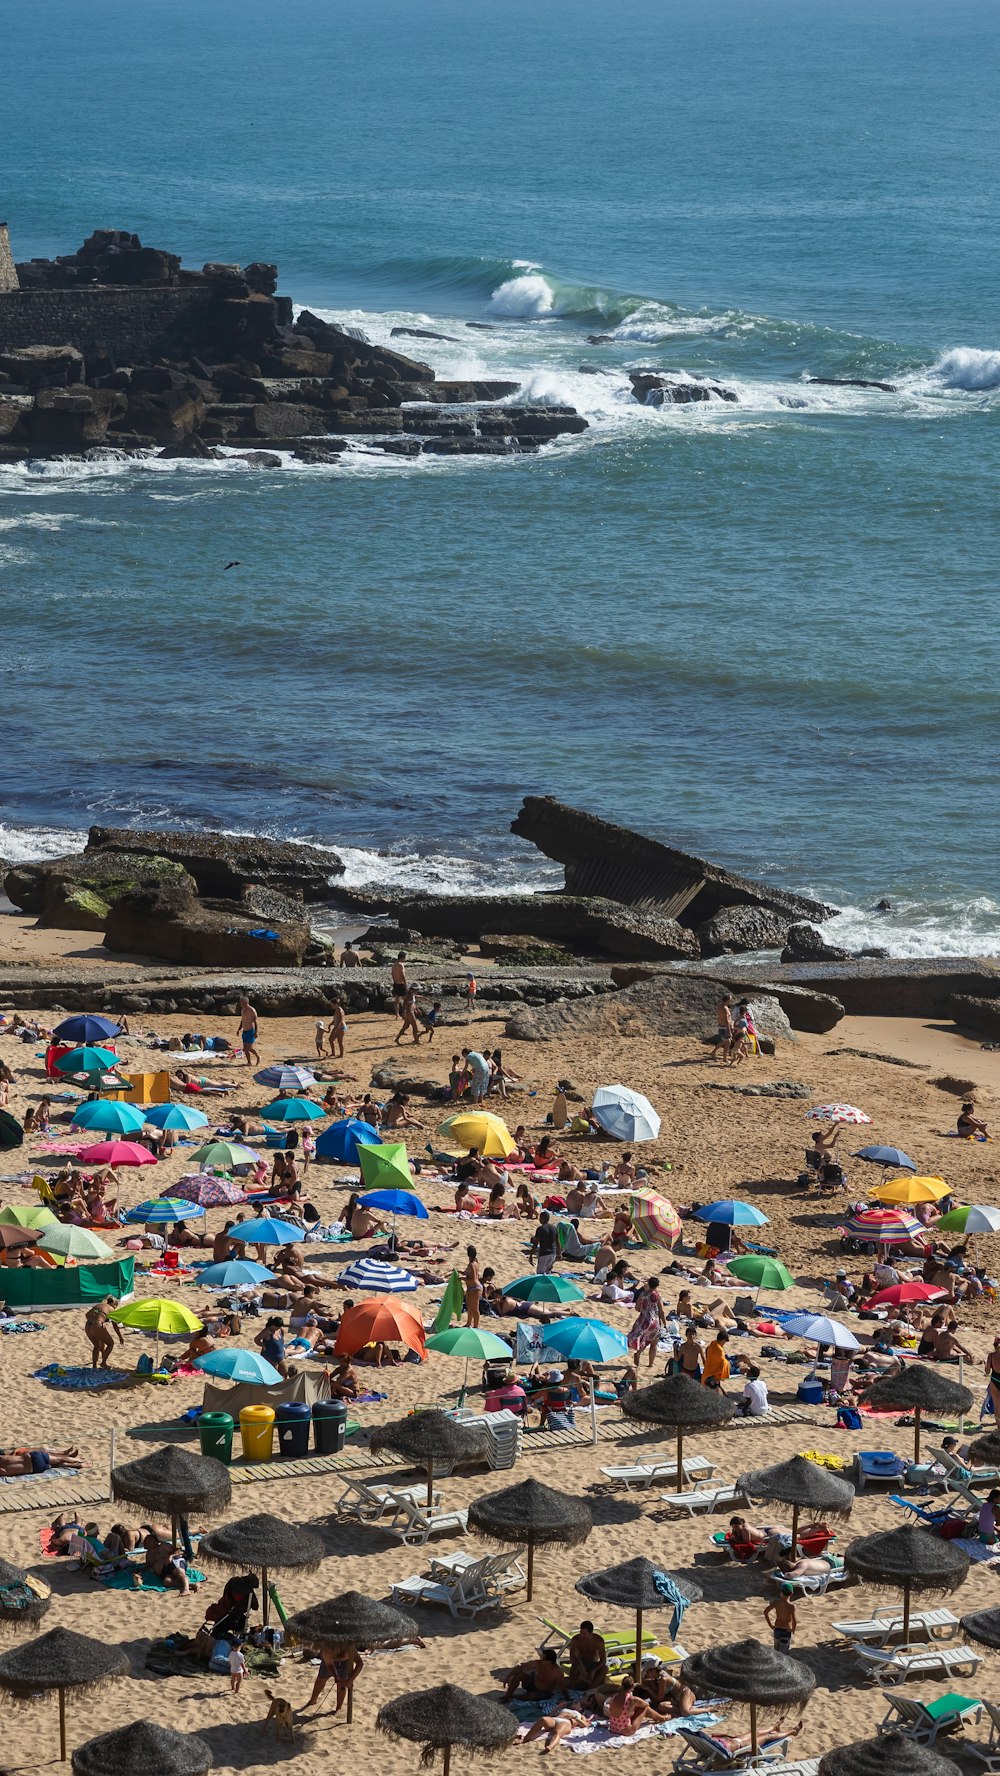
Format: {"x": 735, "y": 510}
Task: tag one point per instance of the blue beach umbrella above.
{"x": 341, "y": 1140}
{"x": 167, "y": 1209}
{"x": 87, "y": 1060}
{"x": 589, "y": 1341}
{"x": 624, "y": 1114}
{"x": 818, "y": 1329}
{"x": 285, "y": 1078}
{"x": 263, "y": 1230}
{"x": 108, "y": 1115}
{"x": 886, "y": 1156}
{"x": 294, "y": 1110}
{"x": 732, "y": 1214}
{"x": 373, "y": 1273}
{"x": 398, "y": 1202}
{"x": 175, "y": 1116}
{"x": 234, "y": 1273}
{"x": 236, "y": 1364}
{"x": 86, "y": 1027}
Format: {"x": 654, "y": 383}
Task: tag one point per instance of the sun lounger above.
{"x": 708, "y": 1499}
{"x": 367, "y": 1503}
{"x": 465, "y": 1593}
{"x": 895, "y": 1664}
{"x": 925, "y": 1721}
{"x": 988, "y": 1754}
{"x": 413, "y": 1523}
{"x": 644, "y": 1473}
{"x": 502, "y": 1570}
{"x": 959, "y": 1470}
{"x": 921, "y": 1510}
{"x": 703, "y": 1753}
{"x": 812, "y": 1584}
{"x": 620, "y": 1648}
{"x": 936, "y": 1625}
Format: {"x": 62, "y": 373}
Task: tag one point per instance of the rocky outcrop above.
{"x": 806, "y": 944}
{"x": 868, "y": 987}
{"x": 738, "y": 928}
{"x": 224, "y": 865}
{"x": 76, "y": 893}
{"x": 174, "y": 924}
{"x": 520, "y": 950}
{"x": 587, "y": 926}
{"x": 670, "y": 1005}
{"x": 980, "y": 1015}
{"x": 602, "y": 858}
{"x": 655, "y": 388}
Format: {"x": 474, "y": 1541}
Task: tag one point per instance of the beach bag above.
{"x": 848, "y": 1418}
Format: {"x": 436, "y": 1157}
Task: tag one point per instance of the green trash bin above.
{"x": 215, "y": 1433}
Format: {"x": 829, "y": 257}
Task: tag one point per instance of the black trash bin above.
{"x": 329, "y": 1422}
{"x": 291, "y": 1422}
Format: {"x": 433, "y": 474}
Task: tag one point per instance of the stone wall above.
{"x": 133, "y": 325}
{"x": 8, "y": 270}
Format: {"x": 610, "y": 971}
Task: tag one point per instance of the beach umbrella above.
{"x": 918, "y": 1388}
{"x": 889, "y": 1754}
{"x": 294, "y": 1110}
{"x": 983, "y": 1626}
{"x": 385, "y": 1167}
{"x": 445, "y": 1717}
{"x": 227, "y": 1155}
{"x": 804, "y": 1485}
{"x": 74, "y": 1242}
{"x": 396, "y": 1202}
{"x": 469, "y": 1342}
{"x": 377, "y": 1273}
{"x": 681, "y": 1404}
{"x": 544, "y": 1288}
{"x": 426, "y": 1438}
{"x": 208, "y": 1192}
{"x": 86, "y": 1027}
{"x": 907, "y": 1560}
{"x": 379, "y": 1321}
{"x": 970, "y": 1218}
{"x": 108, "y": 1115}
{"x": 18, "y": 1215}
{"x": 238, "y": 1364}
{"x": 173, "y": 1481}
{"x": 986, "y": 1450}
{"x": 116, "y": 1153}
{"x": 654, "y": 1218}
{"x": 11, "y": 1238}
{"x": 911, "y": 1190}
{"x": 11, "y": 1132}
{"x": 263, "y": 1544}
{"x": 817, "y": 1329}
{"x": 164, "y": 1210}
{"x": 342, "y": 1141}
{"x": 624, "y": 1114}
{"x": 87, "y": 1060}
{"x": 587, "y": 1341}
{"x": 264, "y": 1230}
{"x": 23, "y": 1600}
{"x": 155, "y": 1314}
{"x": 732, "y": 1213}
{"x": 143, "y": 1749}
{"x": 175, "y": 1116}
{"x": 889, "y": 1158}
{"x": 640, "y": 1585}
{"x": 480, "y": 1129}
{"x": 837, "y": 1113}
{"x": 886, "y": 1227}
{"x": 235, "y": 1273}
{"x": 764, "y": 1273}
{"x": 534, "y": 1515}
{"x": 60, "y": 1661}
{"x": 747, "y": 1672}
{"x": 354, "y": 1622}
{"x": 284, "y": 1077}
{"x": 903, "y": 1292}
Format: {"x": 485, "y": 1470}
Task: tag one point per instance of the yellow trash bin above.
{"x": 257, "y": 1432}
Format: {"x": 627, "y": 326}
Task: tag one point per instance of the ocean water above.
{"x": 765, "y": 629}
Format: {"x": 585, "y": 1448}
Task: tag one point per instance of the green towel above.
{"x": 950, "y": 1704}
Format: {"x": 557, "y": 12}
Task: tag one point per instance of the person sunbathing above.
{"x": 168, "y": 1563}
{"x": 970, "y": 1126}
{"x": 805, "y": 1566}
{"x": 508, "y": 1305}
{"x": 344, "y": 1385}
{"x": 734, "y": 1742}
{"x": 588, "y": 1658}
{"x": 15, "y": 1462}
{"x": 555, "y": 1727}
{"x": 200, "y": 1346}
{"x": 182, "y": 1081}
{"x": 536, "y": 1679}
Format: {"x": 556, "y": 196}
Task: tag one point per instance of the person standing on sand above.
{"x": 248, "y": 1031}
{"x": 399, "y": 982}
{"x": 98, "y": 1328}
{"x": 338, "y": 1029}
{"x": 349, "y": 957}
{"x": 473, "y": 1287}
{"x": 408, "y": 1013}
{"x": 724, "y": 1038}
{"x": 781, "y": 1619}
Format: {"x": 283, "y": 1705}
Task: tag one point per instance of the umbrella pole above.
{"x": 264, "y": 1599}
{"x": 795, "y": 1530}
{"x": 593, "y": 1412}
{"x": 430, "y": 1483}
{"x": 961, "y": 1383}
{"x": 916, "y": 1434}
{"x": 531, "y": 1570}
{"x": 753, "y": 1730}
{"x": 173, "y": 1529}
{"x": 446, "y": 1761}
{"x": 638, "y": 1645}
{"x": 465, "y": 1385}
{"x": 680, "y": 1459}
{"x": 906, "y": 1613}
{"x": 62, "y": 1725}
{"x": 350, "y": 1684}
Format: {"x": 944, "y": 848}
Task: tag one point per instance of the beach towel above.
{"x": 597, "y": 1738}
{"x": 674, "y": 1595}
{"x": 123, "y": 1578}
{"x": 977, "y": 1551}
{"x": 80, "y": 1381}
{"x": 21, "y": 1326}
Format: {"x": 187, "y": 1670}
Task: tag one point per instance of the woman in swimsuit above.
{"x": 473, "y": 1287}
{"x": 98, "y": 1329}
{"x": 992, "y": 1367}
{"x": 627, "y": 1711}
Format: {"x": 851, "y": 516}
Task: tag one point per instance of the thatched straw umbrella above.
{"x": 983, "y": 1626}
{"x": 261, "y": 1543}
{"x": 634, "y": 1585}
{"x": 440, "y": 1718}
{"x": 750, "y": 1673}
{"x": 907, "y": 1560}
{"x": 804, "y": 1485}
{"x": 533, "y": 1514}
{"x": 428, "y": 1437}
{"x": 354, "y": 1622}
{"x": 891, "y": 1754}
{"x": 918, "y": 1388}
{"x": 683, "y": 1405}
{"x": 985, "y": 1451}
{"x": 172, "y": 1480}
{"x": 23, "y": 1601}
{"x": 143, "y": 1749}
{"x": 61, "y": 1661}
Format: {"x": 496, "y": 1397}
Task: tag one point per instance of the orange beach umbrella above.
{"x": 379, "y": 1321}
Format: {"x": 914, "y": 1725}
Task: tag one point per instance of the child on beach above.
{"x": 780, "y": 1618}
{"x": 320, "y": 1037}
{"x": 471, "y": 989}
{"x": 237, "y": 1666}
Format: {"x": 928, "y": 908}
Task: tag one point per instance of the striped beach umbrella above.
{"x": 209, "y": 1192}
{"x": 284, "y": 1077}
{"x": 971, "y": 1218}
{"x": 655, "y": 1219}
{"x": 164, "y": 1210}
{"x": 886, "y": 1226}
{"x": 374, "y": 1273}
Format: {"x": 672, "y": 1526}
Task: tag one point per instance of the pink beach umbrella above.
{"x": 116, "y": 1153}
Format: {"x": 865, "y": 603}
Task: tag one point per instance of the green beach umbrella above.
{"x": 544, "y": 1288}
{"x": 294, "y": 1110}
{"x": 970, "y": 1218}
{"x": 385, "y": 1167}
{"x": 763, "y": 1273}
{"x": 452, "y": 1303}
{"x": 88, "y": 1060}
{"x": 224, "y": 1154}
{"x": 468, "y": 1342}
{"x": 74, "y": 1242}
{"x": 16, "y": 1216}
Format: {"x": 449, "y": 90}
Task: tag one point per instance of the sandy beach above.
{"x": 713, "y": 1142}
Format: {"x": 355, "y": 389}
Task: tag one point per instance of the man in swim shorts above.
{"x": 248, "y": 1031}
{"x": 16, "y": 1462}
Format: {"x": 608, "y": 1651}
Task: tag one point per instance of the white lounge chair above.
{"x": 502, "y": 1570}
{"x": 955, "y": 1469}
{"x": 704, "y": 1753}
{"x": 935, "y": 1625}
{"x": 465, "y": 1593}
{"x": 925, "y": 1721}
{"x": 414, "y": 1522}
{"x": 988, "y": 1754}
{"x": 641, "y": 1474}
{"x": 895, "y": 1664}
{"x": 708, "y": 1499}
{"x": 367, "y": 1502}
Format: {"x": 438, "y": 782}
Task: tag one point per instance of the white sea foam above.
{"x": 966, "y": 367}
{"x": 29, "y": 844}
{"x": 949, "y": 927}
{"x": 438, "y": 872}
{"x": 529, "y": 297}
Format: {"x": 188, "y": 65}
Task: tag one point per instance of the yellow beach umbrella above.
{"x": 478, "y": 1128}
{"x": 156, "y": 1314}
{"x": 912, "y": 1190}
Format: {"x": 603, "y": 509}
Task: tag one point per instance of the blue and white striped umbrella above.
{"x": 285, "y": 1078}
{"x": 165, "y": 1209}
{"x": 374, "y": 1273}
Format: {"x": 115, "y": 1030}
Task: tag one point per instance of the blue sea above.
{"x": 766, "y": 630}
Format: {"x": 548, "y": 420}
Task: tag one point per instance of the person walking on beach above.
{"x": 338, "y": 1029}
{"x": 544, "y": 1244}
{"x": 781, "y": 1619}
{"x": 724, "y": 1038}
{"x": 399, "y": 982}
{"x": 649, "y": 1322}
{"x": 320, "y": 1038}
{"x": 248, "y": 1031}
{"x": 408, "y": 1014}
{"x": 98, "y": 1327}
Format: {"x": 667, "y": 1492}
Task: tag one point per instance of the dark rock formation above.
{"x": 872, "y": 988}
{"x": 971, "y": 1013}
{"x": 521, "y": 950}
{"x": 739, "y": 928}
{"x": 653, "y": 389}
{"x": 670, "y": 1005}
{"x": 77, "y": 893}
{"x": 602, "y": 858}
{"x": 806, "y": 944}
{"x": 852, "y": 382}
{"x": 588, "y": 926}
{"x": 223, "y": 865}
{"x": 774, "y": 1088}
{"x": 419, "y": 333}
{"x": 174, "y": 924}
